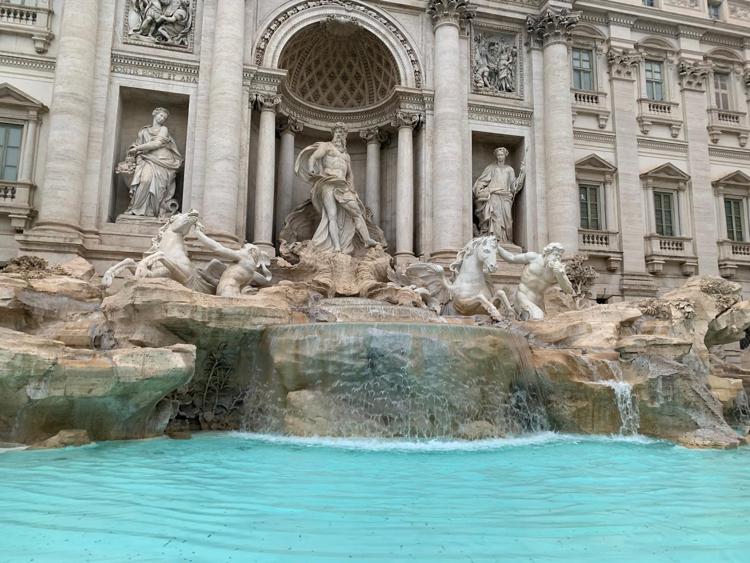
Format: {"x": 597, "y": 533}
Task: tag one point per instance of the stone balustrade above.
{"x": 592, "y": 103}
{"x": 728, "y": 121}
{"x": 605, "y": 244}
{"x": 733, "y": 255}
{"x": 652, "y": 112}
{"x": 17, "y": 202}
{"x": 34, "y": 21}
{"x": 662, "y": 249}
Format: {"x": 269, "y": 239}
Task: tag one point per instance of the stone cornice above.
{"x": 152, "y": 67}
{"x": 596, "y": 137}
{"x": 728, "y": 154}
{"x": 662, "y": 146}
{"x": 455, "y": 12}
{"x": 494, "y": 114}
{"x": 31, "y": 63}
{"x": 552, "y": 25}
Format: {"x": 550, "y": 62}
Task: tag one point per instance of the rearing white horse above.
{"x": 472, "y": 292}
{"x": 167, "y": 257}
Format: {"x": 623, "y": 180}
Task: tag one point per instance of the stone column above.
{"x": 636, "y": 281}
{"x": 264, "y": 179}
{"x": 224, "y": 138}
{"x": 451, "y": 98}
{"x": 374, "y": 139}
{"x": 70, "y": 117}
{"x": 406, "y": 122}
{"x": 285, "y": 189}
{"x": 552, "y": 28}
{"x": 27, "y": 159}
{"x": 693, "y": 76}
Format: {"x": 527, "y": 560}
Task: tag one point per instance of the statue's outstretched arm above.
{"x": 525, "y": 258}
{"x": 219, "y": 248}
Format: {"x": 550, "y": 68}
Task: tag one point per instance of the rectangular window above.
{"x": 10, "y": 151}
{"x": 654, "y": 81}
{"x": 721, "y": 90}
{"x": 590, "y": 207}
{"x": 664, "y": 210}
{"x": 733, "y": 212}
{"x": 649, "y": 3}
{"x": 583, "y": 69}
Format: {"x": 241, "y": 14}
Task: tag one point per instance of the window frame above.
{"x": 601, "y": 205}
{"x": 8, "y": 126}
{"x": 591, "y": 50}
{"x": 662, "y": 80}
{"x": 662, "y": 193}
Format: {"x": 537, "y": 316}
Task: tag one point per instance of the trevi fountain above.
{"x": 334, "y": 397}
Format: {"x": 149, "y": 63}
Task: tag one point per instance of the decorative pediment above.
{"x": 595, "y": 163}
{"x": 665, "y": 174}
{"x": 736, "y": 180}
{"x": 10, "y": 96}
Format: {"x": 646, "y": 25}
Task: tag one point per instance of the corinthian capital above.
{"x": 450, "y": 11}
{"x": 407, "y": 119}
{"x": 693, "y": 75}
{"x": 552, "y": 25}
{"x": 622, "y": 63}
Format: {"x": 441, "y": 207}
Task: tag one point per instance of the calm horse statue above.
{"x": 167, "y": 257}
{"x": 472, "y": 292}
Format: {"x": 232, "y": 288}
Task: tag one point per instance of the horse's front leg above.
{"x": 490, "y": 308}
{"x": 502, "y": 297}
{"x": 144, "y": 266}
{"x": 109, "y": 276}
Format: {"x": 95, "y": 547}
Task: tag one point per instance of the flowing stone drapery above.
{"x": 374, "y": 139}
{"x": 693, "y": 77}
{"x": 70, "y": 117}
{"x": 285, "y": 190}
{"x": 451, "y": 99}
{"x": 224, "y": 139}
{"x": 265, "y": 173}
{"x": 552, "y": 28}
{"x": 405, "y": 122}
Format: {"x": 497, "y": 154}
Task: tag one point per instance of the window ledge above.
{"x": 661, "y": 249}
{"x": 16, "y": 201}
{"x": 591, "y": 102}
{"x": 605, "y": 244}
{"x": 662, "y": 112}
{"x": 28, "y": 20}
{"x": 727, "y": 121}
{"x": 732, "y": 256}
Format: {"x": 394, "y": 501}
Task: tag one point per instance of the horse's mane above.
{"x": 156, "y": 241}
{"x": 469, "y": 250}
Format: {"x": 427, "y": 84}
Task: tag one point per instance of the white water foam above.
{"x": 630, "y": 420}
{"x": 383, "y": 444}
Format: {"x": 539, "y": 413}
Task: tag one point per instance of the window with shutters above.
{"x": 664, "y": 213}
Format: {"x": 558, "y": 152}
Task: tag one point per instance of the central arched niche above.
{"x": 338, "y": 64}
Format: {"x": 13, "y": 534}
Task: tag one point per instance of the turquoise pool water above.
{"x": 233, "y": 497}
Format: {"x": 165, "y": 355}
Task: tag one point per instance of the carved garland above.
{"x": 350, "y": 5}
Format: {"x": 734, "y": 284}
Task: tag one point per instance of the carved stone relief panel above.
{"x": 167, "y": 24}
{"x": 496, "y": 65}
{"x": 739, "y": 9}
{"x": 693, "y": 4}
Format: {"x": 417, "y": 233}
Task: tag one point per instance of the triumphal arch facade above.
{"x": 619, "y": 132}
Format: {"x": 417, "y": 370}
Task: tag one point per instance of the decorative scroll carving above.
{"x": 352, "y": 6}
{"x": 623, "y": 63}
{"x": 495, "y": 62}
{"x": 693, "y": 75}
{"x": 163, "y": 23}
{"x": 455, "y": 11}
{"x": 552, "y": 25}
{"x": 265, "y": 102}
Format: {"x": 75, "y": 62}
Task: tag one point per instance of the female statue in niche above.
{"x": 494, "y": 192}
{"x": 153, "y": 160}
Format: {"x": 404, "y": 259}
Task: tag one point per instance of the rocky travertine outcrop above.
{"x": 161, "y": 312}
{"x": 46, "y": 386}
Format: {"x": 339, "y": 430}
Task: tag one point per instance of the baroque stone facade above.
{"x": 633, "y": 126}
